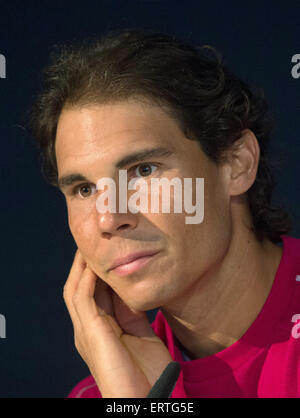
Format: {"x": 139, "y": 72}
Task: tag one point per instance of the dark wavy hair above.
{"x": 210, "y": 104}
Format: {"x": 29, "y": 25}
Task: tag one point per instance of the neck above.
{"x": 219, "y": 308}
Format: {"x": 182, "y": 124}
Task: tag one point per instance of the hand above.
{"x": 119, "y": 346}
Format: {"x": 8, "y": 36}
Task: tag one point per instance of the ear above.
{"x": 242, "y": 159}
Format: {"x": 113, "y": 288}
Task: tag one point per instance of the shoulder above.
{"x": 292, "y": 245}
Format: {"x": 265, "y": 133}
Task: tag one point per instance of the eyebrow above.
{"x": 160, "y": 152}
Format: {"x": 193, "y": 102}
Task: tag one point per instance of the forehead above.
{"x": 104, "y": 131}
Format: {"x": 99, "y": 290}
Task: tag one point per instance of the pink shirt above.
{"x": 263, "y": 363}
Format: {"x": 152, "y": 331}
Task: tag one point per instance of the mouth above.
{"x": 132, "y": 263}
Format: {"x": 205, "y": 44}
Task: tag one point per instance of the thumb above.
{"x": 130, "y": 320}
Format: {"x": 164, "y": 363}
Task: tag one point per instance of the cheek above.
{"x": 217, "y": 217}
{"x": 205, "y": 244}
{"x": 81, "y": 227}
{"x": 74, "y": 223}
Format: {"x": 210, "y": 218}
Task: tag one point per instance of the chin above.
{"x": 146, "y": 299}
{"x": 143, "y": 305}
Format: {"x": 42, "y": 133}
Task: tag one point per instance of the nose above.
{"x": 116, "y": 223}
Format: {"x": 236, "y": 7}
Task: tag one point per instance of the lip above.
{"x": 132, "y": 262}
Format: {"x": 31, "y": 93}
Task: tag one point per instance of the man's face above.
{"x": 91, "y": 141}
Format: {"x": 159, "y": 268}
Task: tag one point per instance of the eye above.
{"x": 144, "y": 170}
{"x": 83, "y": 190}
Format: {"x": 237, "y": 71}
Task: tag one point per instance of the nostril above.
{"x": 106, "y": 235}
{"x": 124, "y": 226}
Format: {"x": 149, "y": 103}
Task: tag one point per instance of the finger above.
{"x": 71, "y": 284}
{"x": 74, "y": 277}
{"x": 130, "y": 320}
{"x": 83, "y": 298}
{"x": 77, "y": 268}
{"x": 88, "y": 311}
{"x": 103, "y": 296}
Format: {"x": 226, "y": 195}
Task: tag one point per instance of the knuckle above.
{"x": 66, "y": 292}
{"x": 76, "y": 343}
{"x": 78, "y": 348}
{"x": 75, "y": 298}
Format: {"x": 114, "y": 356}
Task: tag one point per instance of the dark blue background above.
{"x": 257, "y": 40}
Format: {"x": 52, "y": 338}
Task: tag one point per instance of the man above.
{"x": 226, "y": 289}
